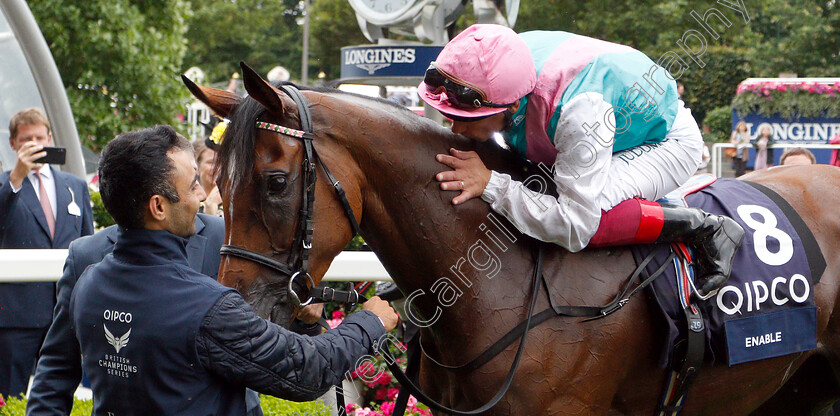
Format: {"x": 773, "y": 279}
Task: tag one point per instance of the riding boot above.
{"x": 714, "y": 238}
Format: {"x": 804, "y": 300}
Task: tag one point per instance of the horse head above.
{"x": 262, "y": 179}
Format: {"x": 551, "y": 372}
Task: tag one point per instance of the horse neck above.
{"x": 463, "y": 261}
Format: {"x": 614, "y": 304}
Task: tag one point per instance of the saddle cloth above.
{"x": 767, "y": 307}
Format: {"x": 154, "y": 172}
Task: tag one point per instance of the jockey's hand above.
{"x": 470, "y": 175}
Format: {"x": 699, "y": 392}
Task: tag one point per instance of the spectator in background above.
{"x": 835, "y": 155}
{"x": 40, "y": 208}
{"x": 741, "y": 139}
{"x": 205, "y": 157}
{"x": 797, "y": 156}
{"x": 233, "y": 84}
{"x": 763, "y": 145}
{"x": 680, "y": 89}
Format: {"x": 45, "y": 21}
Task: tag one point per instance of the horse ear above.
{"x": 260, "y": 90}
{"x": 220, "y": 101}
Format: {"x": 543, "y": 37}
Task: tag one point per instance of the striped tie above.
{"x": 45, "y": 205}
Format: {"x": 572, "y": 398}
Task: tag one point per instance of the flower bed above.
{"x": 377, "y": 387}
{"x": 788, "y": 99}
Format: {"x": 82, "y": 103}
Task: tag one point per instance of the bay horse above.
{"x": 384, "y": 158}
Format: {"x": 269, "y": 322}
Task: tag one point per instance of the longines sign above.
{"x": 387, "y": 61}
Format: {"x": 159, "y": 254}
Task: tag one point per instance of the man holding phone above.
{"x": 40, "y": 208}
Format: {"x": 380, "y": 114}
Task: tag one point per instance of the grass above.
{"x": 271, "y": 406}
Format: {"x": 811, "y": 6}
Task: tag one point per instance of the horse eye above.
{"x": 276, "y": 184}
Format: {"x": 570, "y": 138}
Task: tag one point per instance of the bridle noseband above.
{"x": 298, "y": 261}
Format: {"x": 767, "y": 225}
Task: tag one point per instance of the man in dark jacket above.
{"x": 59, "y": 365}
{"x": 158, "y": 337}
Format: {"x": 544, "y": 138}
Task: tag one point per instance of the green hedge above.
{"x": 271, "y": 406}
{"x": 719, "y": 121}
{"x": 101, "y": 217}
{"x": 714, "y": 85}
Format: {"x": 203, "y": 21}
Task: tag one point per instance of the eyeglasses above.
{"x": 460, "y": 95}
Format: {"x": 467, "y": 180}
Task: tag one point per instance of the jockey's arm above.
{"x": 584, "y": 142}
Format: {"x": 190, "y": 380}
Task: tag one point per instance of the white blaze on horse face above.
{"x": 232, "y": 174}
{"x": 229, "y": 213}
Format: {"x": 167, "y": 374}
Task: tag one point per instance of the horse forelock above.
{"x": 236, "y": 155}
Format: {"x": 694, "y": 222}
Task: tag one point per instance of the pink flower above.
{"x": 381, "y": 395}
{"x": 387, "y": 408}
{"x": 384, "y": 379}
{"x": 393, "y": 392}
{"x": 349, "y": 407}
{"x": 364, "y": 412}
{"x": 333, "y": 323}
{"x": 412, "y": 401}
{"x": 338, "y": 315}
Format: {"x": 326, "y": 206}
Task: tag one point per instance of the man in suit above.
{"x": 40, "y": 208}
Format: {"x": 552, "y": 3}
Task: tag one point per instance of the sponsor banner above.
{"x": 802, "y": 131}
{"x": 376, "y": 61}
{"x": 771, "y": 335}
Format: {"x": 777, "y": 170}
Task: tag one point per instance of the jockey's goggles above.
{"x": 460, "y": 94}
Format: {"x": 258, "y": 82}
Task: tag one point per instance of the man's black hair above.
{"x": 134, "y": 167}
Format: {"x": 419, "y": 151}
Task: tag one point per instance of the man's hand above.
{"x": 470, "y": 175}
{"x": 26, "y": 155}
{"x": 311, "y": 313}
{"x": 383, "y": 310}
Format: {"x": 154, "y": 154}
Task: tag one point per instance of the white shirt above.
{"x": 49, "y": 184}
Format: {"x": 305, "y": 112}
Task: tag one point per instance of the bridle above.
{"x": 297, "y": 263}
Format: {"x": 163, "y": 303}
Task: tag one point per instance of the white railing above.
{"x": 717, "y": 152}
{"x": 46, "y": 266}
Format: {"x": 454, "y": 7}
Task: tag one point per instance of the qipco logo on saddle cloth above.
{"x": 768, "y": 305}
{"x": 772, "y": 247}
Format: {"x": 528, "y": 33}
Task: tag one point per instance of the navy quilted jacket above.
{"x": 157, "y": 337}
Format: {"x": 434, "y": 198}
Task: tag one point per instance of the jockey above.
{"x": 605, "y": 118}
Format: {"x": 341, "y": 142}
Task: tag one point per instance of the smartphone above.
{"x": 55, "y": 156}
